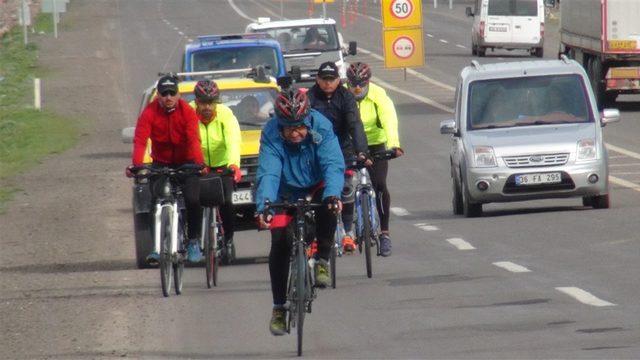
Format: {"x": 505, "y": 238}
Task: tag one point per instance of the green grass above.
{"x": 26, "y": 135}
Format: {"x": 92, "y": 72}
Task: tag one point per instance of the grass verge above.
{"x": 26, "y": 135}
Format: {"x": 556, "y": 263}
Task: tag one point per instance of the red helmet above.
{"x": 358, "y": 73}
{"x": 292, "y": 107}
{"x": 207, "y": 91}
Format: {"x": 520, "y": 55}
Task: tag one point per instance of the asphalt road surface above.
{"x": 539, "y": 280}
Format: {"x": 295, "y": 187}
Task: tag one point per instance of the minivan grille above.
{"x": 536, "y": 160}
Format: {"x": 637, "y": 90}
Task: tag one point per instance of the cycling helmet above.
{"x": 292, "y": 107}
{"x": 207, "y": 91}
{"x": 358, "y": 73}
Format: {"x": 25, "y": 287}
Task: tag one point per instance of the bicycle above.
{"x": 336, "y": 250}
{"x": 301, "y": 290}
{"x": 169, "y": 225}
{"x": 212, "y": 196}
{"x": 367, "y": 224}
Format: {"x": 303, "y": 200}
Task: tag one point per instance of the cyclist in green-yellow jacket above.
{"x": 378, "y": 115}
{"x": 220, "y": 141}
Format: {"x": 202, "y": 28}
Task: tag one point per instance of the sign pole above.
{"x": 24, "y": 14}
{"x": 435, "y": 4}
{"x": 55, "y": 19}
{"x": 324, "y": 9}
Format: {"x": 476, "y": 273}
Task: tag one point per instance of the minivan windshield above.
{"x": 513, "y": 8}
{"x": 305, "y": 38}
{"x": 235, "y": 58}
{"x": 526, "y": 101}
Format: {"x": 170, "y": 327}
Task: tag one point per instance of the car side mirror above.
{"x": 127, "y": 135}
{"x": 353, "y": 48}
{"x": 468, "y": 11}
{"x": 609, "y": 116}
{"x": 448, "y": 127}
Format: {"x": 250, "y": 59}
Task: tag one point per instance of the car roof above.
{"x": 215, "y": 42}
{"x": 479, "y": 71}
{"x": 232, "y": 84}
{"x": 291, "y": 23}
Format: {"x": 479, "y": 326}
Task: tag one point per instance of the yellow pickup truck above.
{"x": 251, "y": 99}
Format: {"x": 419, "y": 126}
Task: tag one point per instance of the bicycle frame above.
{"x": 170, "y": 201}
{"x": 364, "y": 186}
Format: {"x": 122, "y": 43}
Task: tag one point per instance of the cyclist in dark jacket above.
{"x": 337, "y": 104}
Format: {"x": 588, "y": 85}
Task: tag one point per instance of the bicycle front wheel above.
{"x": 333, "y": 258}
{"x": 301, "y": 276}
{"x": 366, "y": 232}
{"x": 165, "y": 250}
{"x": 178, "y": 269}
{"x": 211, "y": 249}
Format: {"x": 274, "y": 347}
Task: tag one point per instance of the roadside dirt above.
{"x": 67, "y": 235}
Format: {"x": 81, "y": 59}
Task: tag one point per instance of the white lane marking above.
{"x": 625, "y": 173}
{"x": 426, "y": 227}
{"x": 181, "y": 33}
{"x": 190, "y": 39}
{"x": 176, "y": 28}
{"x": 513, "y": 267}
{"x": 584, "y": 296}
{"x": 424, "y": 77}
{"x": 623, "y": 165}
{"x": 239, "y": 12}
{"x": 398, "y": 211}
{"x": 617, "y": 157}
{"x": 413, "y": 95}
{"x": 429, "y": 35}
{"x": 461, "y": 46}
{"x": 444, "y": 41}
{"x": 460, "y": 244}
{"x": 622, "y": 151}
{"x": 625, "y": 183}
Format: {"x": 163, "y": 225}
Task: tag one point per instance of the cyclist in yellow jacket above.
{"x": 380, "y": 122}
{"x": 220, "y": 141}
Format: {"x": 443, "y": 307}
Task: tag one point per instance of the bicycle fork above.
{"x": 173, "y": 207}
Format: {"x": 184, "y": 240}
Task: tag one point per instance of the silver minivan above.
{"x": 507, "y": 24}
{"x": 527, "y": 130}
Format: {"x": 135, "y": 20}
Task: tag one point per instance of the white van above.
{"x": 507, "y": 24}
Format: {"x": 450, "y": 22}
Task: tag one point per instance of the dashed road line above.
{"x": 461, "y": 46}
{"x": 426, "y": 227}
{"x": 443, "y": 41}
{"x": 429, "y": 35}
{"x": 623, "y": 165}
{"x": 398, "y": 211}
{"x": 513, "y": 267}
{"x": 584, "y": 296}
{"x": 412, "y": 95}
{"x": 460, "y": 244}
{"x": 625, "y": 183}
{"x": 181, "y": 33}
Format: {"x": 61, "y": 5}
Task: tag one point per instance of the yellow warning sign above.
{"x": 403, "y": 48}
{"x": 401, "y": 13}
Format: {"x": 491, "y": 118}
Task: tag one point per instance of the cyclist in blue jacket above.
{"x": 299, "y": 156}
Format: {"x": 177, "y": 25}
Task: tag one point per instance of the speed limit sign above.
{"x": 401, "y": 13}
{"x": 401, "y": 8}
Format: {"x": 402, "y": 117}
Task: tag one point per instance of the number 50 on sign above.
{"x": 401, "y": 13}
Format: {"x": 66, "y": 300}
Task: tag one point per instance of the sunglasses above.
{"x": 359, "y": 84}
{"x": 168, "y": 93}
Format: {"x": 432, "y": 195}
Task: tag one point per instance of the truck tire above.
{"x": 143, "y": 239}
{"x": 481, "y": 51}
{"x": 596, "y": 74}
{"x": 538, "y": 52}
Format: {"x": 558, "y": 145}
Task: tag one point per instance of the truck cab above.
{"x": 233, "y": 52}
{"x": 307, "y": 43}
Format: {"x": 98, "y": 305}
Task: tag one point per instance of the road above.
{"x": 543, "y": 279}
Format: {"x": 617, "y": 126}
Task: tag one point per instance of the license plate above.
{"x": 535, "y": 179}
{"x": 242, "y": 197}
{"x": 622, "y": 44}
{"x": 497, "y": 29}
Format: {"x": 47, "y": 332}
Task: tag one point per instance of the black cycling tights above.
{"x": 280, "y": 248}
{"x": 378, "y": 173}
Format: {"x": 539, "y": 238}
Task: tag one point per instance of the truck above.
{"x": 231, "y": 52}
{"x": 604, "y": 37}
{"x": 307, "y": 43}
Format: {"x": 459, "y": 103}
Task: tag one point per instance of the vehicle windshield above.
{"x": 513, "y": 8}
{"x": 235, "y": 58}
{"x": 309, "y": 38}
{"x": 252, "y": 107}
{"x": 523, "y": 101}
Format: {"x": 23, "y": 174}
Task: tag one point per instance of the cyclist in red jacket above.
{"x": 172, "y": 126}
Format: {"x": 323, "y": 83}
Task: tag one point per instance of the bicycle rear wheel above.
{"x": 366, "y": 232}
{"x": 301, "y": 276}
{"x": 178, "y": 269}
{"x": 165, "y": 250}
{"x": 211, "y": 250}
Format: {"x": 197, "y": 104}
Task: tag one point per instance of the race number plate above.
{"x": 536, "y": 179}
{"x": 242, "y": 197}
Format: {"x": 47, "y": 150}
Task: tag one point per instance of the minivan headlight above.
{"x": 483, "y": 156}
{"x": 586, "y": 149}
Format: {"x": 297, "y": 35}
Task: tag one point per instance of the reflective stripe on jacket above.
{"x": 289, "y": 171}
{"x": 379, "y": 117}
{"x": 221, "y": 139}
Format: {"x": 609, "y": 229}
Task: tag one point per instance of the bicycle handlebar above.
{"x": 185, "y": 169}
{"x": 300, "y": 203}
{"x": 380, "y": 155}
